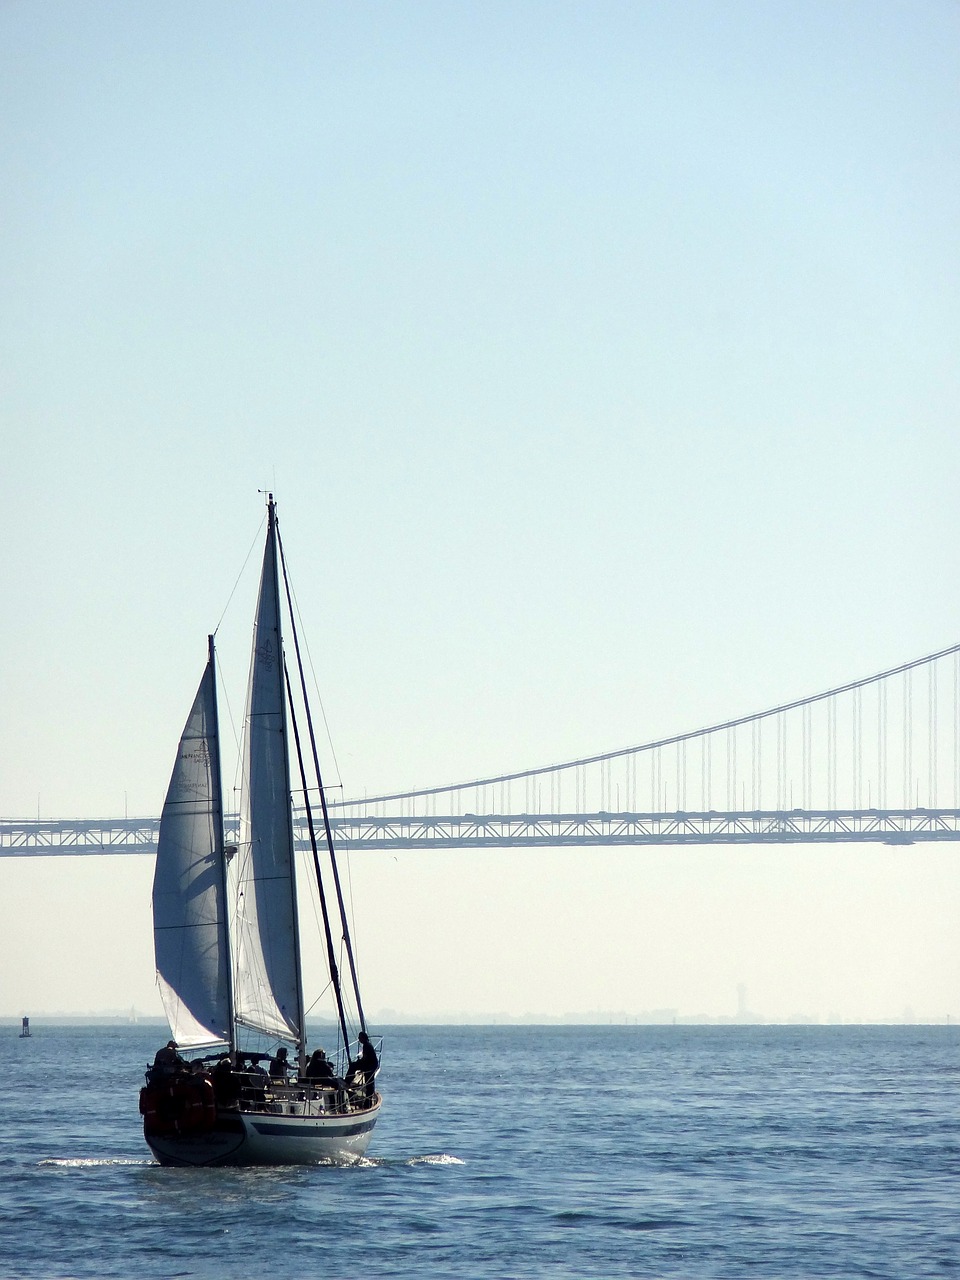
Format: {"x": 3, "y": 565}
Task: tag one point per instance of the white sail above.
{"x": 268, "y": 996}
{"x": 189, "y": 911}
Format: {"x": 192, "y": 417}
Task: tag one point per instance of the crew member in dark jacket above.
{"x": 167, "y": 1061}
{"x": 365, "y": 1065}
{"x": 319, "y": 1067}
{"x": 279, "y": 1066}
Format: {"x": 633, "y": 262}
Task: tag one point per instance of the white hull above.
{"x": 266, "y": 1137}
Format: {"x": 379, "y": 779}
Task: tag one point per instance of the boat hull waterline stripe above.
{"x": 244, "y": 1140}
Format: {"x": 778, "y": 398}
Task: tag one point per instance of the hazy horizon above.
{"x": 599, "y": 1018}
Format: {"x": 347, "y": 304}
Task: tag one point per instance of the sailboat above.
{"x": 227, "y": 934}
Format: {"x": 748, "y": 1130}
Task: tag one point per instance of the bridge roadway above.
{"x": 28, "y": 838}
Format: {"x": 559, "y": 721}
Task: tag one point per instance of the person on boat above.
{"x": 226, "y": 1084}
{"x": 279, "y": 1066}
{"x": 365, "y": 1065}
{"x": 167, "y": 1061}
{"x": 253, "y": 1081}
{"x": 320, "y": 1067}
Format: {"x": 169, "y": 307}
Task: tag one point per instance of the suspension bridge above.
{"x": 877, "y": 759}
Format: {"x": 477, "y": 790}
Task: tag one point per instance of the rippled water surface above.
{"x": 515, "y": 1152}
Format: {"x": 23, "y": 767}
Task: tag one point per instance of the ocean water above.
{"x": 514, "y": 1152}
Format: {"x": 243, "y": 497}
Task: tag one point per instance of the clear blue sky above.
{"x": 603, "y": 358}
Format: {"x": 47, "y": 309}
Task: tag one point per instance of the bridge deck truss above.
{"x": 491, "y": 831}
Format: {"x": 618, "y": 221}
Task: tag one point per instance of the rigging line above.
{"x": 293, "y": 603}
{"x": 224, "y": 698}
{"x": 238, "y": 776}
{"x": 353, "y": 919}
{"x": 314, "y": 904}
{"x": 331, "y": 953}
{"x": 323, "y": 799}
{"x": 320, "y": 996}
{"x": 256, "y": 542}
{"x": 660, "y": 742}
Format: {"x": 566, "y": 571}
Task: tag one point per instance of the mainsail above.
{"x": 189, "y": 908}
{"x": 268, "y": 991}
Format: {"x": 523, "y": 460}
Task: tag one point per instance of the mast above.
{"x": 221, "y": 848}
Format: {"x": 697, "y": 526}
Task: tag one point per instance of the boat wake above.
{"x": 385, "y": 1162}
{"x": 76, "y": 1162}
{"x": 364, "y": 1162}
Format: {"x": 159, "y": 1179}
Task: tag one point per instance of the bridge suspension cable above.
{"x": 822, "y": 745}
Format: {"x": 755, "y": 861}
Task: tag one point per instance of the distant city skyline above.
{"x": 651, "y": 1018}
